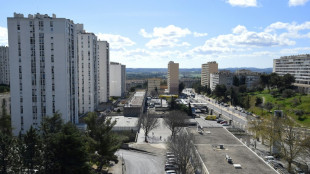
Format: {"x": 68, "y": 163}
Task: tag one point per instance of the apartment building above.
{"x": 206, "y": 70}
{"x": 103, "y": 71}
{"x": 221, "y": 78}
{"x": 87, "y": 68}
{"x": 296, "y": 65}
{"x": 4, "y": 65}
{"x": 251, "y": 78}
{"x": 117, "y": 79}
{"x": 43, "y": 69}
{"x": 173, "y": 78}
{"x": 153, "y": 86}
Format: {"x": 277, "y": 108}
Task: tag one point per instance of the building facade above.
{"x": 4, "y": 66}
{"x": 153, "y": 86}
{"x": 206, "y": 70}
{"x": 251, "y": 78}
{"x": 117, "y": 79}
{"x": 43, "y": 69}
{"x": 173, "y": 78}
{"x": 296, "y": 65}
{"x": 221, "y": 78}
{"x": 87, "y": 68}
{"x": 103, "y": 71}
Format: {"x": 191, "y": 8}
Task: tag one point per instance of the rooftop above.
{"x": 122, "y": 121}
{"x": 136, "y": 99}
{"x": 213, "y": 157}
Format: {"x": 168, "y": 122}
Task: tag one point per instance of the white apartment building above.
{"x": 87, "y": 68}
{"x": 4, "y": 65}
{"x": 206, "y": 70}
{"x": 103, "y": 72}
{"x": 221, "y": 78}
{"x": 296, "y": 65}
{"x": 43, "y": 69}
{"x": 152, "y": 85}
{"x": 173, "y": 77}
{"x": 117, "y": 79}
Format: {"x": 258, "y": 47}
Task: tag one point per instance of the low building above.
{"x": 135, "y": 105}
{"x": 251, "y": 78}
{"x": 125, "y": 123}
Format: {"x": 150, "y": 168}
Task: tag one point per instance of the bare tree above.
{"x": 184, "y": 151}
{"x": 175, "y": 120}
{"x": 255, "y": 126}
{"x": 148, "y": 123}
{"x": 290, "y": 139}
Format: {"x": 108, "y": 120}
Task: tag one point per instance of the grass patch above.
{"x": 289, "y": 105}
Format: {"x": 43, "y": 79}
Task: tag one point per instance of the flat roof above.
{"x": 213, "y": 157}
{"x": 136, "y": 99}
{"x": 122, "y": 121}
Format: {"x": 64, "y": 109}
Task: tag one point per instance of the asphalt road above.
{"x": 141, "y": 163}
{"x": 237, "y": 117}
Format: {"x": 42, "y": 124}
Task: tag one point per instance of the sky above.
{"x": 150, "y": 33}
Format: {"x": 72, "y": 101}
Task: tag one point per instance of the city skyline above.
{"x": 235, "y": 33}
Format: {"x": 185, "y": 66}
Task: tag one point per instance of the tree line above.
{"x": 58, "y": 147}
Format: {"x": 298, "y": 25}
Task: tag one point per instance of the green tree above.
{"x": 242, "y": 80}
{"x": 6, "y": 152}
{"x": 268, "y": 106}
{"x": 173, "y": 104}
{"x": 288, "y": 79}
{"x": 31, "y": 153}
{"x": 265, "y": 81}
{"x": 181, "y": 87}
{"x": 50, "y": 126}
{"x": 5, "y": 120}
{"x": 69, "y": 151}
{"x": 236, "y": 81}
{"x": 258, "y": 101}
{"x": 190, "y": 113}
{"x": 102, "y": 142}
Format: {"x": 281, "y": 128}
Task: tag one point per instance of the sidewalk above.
{"x": 116, "y": 168}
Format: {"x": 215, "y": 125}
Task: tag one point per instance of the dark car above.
{"x": 170, "y": 167}
{"x": 219, "y": 120}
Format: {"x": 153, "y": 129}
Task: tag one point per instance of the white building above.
{"x": 87, "y": 66}
{"x": 206, "y": 70}
{"x": 298, "y": 66}
{"x": 43, "y": 69}
{"x": 103, "y": 74}
{"x": 221, "y": 78}
{"x": 4, "y": 65}
{"x": 117, "y": 79}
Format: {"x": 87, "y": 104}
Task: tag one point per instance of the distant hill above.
{"x": 164, "y": 70}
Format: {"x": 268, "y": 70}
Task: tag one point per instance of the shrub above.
{"x": 287, "y": 93}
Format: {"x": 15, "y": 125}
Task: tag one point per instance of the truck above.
{"x": 210, "y": 117}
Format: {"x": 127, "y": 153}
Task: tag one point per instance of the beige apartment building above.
{"x": 173, "y": 77}
{"x": 296, "y": 65}
{"x": 153, "y": 85}
{"x": 206, "y": 70}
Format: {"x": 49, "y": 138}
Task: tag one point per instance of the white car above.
{"x": 170, "y": 172}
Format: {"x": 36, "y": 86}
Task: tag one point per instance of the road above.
{"x": 238, "y": 119}
{"x": 142, "y": 163}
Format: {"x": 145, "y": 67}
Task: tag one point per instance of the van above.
{"x": 210, "y": 117}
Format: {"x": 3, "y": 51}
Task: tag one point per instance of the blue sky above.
{"x": 150, "y": 33}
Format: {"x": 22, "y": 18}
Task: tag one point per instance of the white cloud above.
{"x": 116, "y": 41}
{"x": 196, "y": 34}
{"x": 239, "y": 29}
{"x": 166, "y": 36}
{"x": 243, "y": 3}
{"x": 292, "y": 30}
{"x": 3, "y": 36}
{"x": 297, "y": 2}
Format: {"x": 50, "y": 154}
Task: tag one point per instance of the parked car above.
{"x": 219, "y": 120}
{"x": 226, "y": 124}
{"x": 269, "y": 158}
{"x": 223, "y": 122}
{"x": 170, "y": 167}
{"x": 171, "y": 172}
